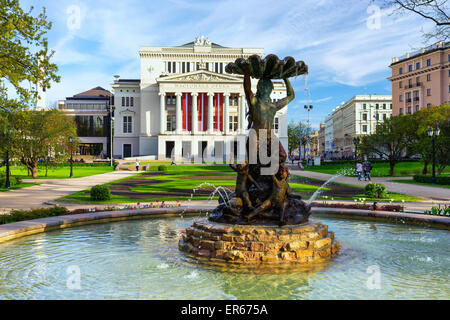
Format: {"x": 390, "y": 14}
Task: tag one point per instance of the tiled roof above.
{"x": 95, "y": 92}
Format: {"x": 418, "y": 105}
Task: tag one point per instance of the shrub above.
{"x": 375, "y": 190}
{"x": 163, "y": 168}
{"x": 443, "y": 180}
{"x": 100, "y": 193}
{"x": 21, "y": 215}
{"x": 12, "y": 180}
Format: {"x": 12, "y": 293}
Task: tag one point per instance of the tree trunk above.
{"x": 391, "y": 168}
{"x": 32, "y": 168}
{"x": 425, "y": 167}
{"x": 441, "y": 169}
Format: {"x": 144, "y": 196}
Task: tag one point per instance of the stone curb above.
{"x": 403, "y": 217}
{"x": 19, "y": 229}
{"x": 23, "y": 228}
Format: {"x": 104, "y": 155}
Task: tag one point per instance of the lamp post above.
{"x": 356, "y": 142}
{"x": 8, "y": 132}
{"x": 71, "y": 156}
{"x": 433, "y": 133}
{"x": 308, "y": 108}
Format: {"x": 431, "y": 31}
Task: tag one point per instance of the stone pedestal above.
{"x": 219, "y": 243}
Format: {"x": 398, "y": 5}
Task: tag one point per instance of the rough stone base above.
{"x": 220, "y": 243}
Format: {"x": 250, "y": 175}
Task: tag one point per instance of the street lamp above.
{"x": 433, "y": 133}
{"x": 356, "y": 141}
{"x": 71, "y": 156}
{"x": 7, "y": 133}
{"x": 308, "y": 108}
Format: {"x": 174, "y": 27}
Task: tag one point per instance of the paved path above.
{"x": 52, "y": 189}
{"x": 433, "y": 193}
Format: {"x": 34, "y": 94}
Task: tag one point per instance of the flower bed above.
{"x": 389, "y": 207}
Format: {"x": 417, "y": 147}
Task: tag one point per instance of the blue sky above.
{"x": 346, "y": 52}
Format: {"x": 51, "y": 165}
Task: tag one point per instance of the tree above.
{"x": 436, "y": 11}
{"x": 24, "y": 55}
{"x": 39, "y": 135}
{"x": 390, "y": 140}
{"x": 295, "y": 132}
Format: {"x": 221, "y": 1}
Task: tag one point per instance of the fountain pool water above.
{"x": 317, "y": 192}
{"x": 139, "y": 259}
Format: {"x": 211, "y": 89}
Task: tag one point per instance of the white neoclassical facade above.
{"x": 185, "y": 104}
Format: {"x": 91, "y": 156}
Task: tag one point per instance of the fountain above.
{"x": 263, "y": 221}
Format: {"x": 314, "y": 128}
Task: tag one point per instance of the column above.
{"x": 194, "y": 114}
{"x": 210, "y": 113}
{"x": 226, "y": 117}
{"x": 242, "y": 114}
{"x": 178, "y": 113}
{"x": 162, "y": 113}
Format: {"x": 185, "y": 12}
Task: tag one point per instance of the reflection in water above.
{"x": 139, "y": 259}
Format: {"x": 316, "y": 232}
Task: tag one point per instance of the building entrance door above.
{"x": 127, "y": 150}
{"x": 169, "y": 148}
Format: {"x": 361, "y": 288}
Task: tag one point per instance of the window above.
{"x": 417, "y": 65}
{"x": 410, "y": 68}
{"x": 429, "y": 77}
{"x": 131, "y": 102}
{"x": 234, "y": 98}
{"x": 364, "y": 128}
{"x": 123, "y": 101}
{"x": 449, "y": 58}
{"x": 128, "y": 101}
{"x": 400, "y": 98}
{"x": 417, "y": 81}
{"x": 400, "y": 84}
{"x": 401, "y": 111}
{"x": 377, "y": 106}
{"x": 364, "y": 116}
{"x": 384, "y": 106}
{"x": 428, "y": 62}
{"x": 233, "y": 123}
{"x": 171, "y": 122}
{"x": 428, "y": 105}
{"x": 276, "y": 124}
{"x": 171, "y": 100}
{"x": 364, "y": 105}
{"x": 409, "y": 83}
{"x": 183, "y": 67}
{"x": 449, "y": 72}
{"x": 207, "y": 65}
{"x": 409, "y": 110}
{"x": 216, "y": 67}
{"x": 90, "y": 126}
{"x": 384, "y": 116}
{"x": 127, "y": 124}
{"x": 169, "y": 67}
{"x": 428, "y": 92}
{"x": 221, "y": 67}
{"x": 400, "y": 71}
{"x": 390, "y": 106}
{"x": 188, "y": 65}
{"x": 449, "y": 89}
{"x": 417, "y": 108}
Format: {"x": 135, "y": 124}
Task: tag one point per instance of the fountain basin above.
{"x": 219, "y": 243}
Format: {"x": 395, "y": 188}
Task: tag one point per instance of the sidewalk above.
{"x": 52, "y": 189}
{"x": 432, "y": 193}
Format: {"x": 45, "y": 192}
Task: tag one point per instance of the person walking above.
{"x": 359, "y": 170}
{"x": 137, "y": 165}
{"x": 367, "y": 166}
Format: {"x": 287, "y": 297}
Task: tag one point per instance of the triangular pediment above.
{"x": 201, "y": 76}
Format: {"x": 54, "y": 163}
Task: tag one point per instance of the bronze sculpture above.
{"x": 259, "y": 198}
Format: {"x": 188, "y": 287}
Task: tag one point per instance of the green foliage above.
{"x": 443, "y": 180}
{"x": 21, "y": 215}
{"x": 438, "y": 211}
{"x": 295, "y": 132}
{"x": 375, "y": 190}
{"x": 100, "y": 193}
{"x": 12, "y": 180}
{"x": 24, "y": 55}
{"x": 163, "y": 168}
{"x": 40, "y": 134}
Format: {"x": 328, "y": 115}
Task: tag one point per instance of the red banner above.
{"x": 186, "y": 107}
{"x": 202, "y": 105}
{"x": 218, "y": 111}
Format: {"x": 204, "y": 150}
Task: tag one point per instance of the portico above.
{"x": 204, "y": 103}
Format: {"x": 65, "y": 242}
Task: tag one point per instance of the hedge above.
{"x": 12, "y": 180}
{"x": 21, "y": 215}
{"x": 443, "y": 180}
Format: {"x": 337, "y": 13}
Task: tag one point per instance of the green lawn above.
{"x": 406, "y": 168}
{"x": 185, "y": 177}
{"x": 58, "y": 172}
{"x": 422, "y": 183}
{"x": 395, "y": 197}
{"x": 18, "y": 186}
